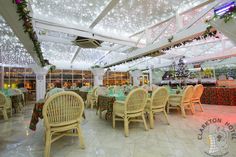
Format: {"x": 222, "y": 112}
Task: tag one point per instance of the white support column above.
{"x": 136, "y": 77}
{"x": 98, "y": 76}
{"x": 2, "y": 77}
{"x": 40, "y": 73}
{"x": 150, "y": 75}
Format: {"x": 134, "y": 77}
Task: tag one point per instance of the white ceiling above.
{"x": 125, "y": 27}
{"x": 11, "y": 50}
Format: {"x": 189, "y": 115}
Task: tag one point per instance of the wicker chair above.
{"x": 130, "y": 109}
{"x": 197, "y": 93}
{"x": 157, "y": 104}
{"x": 5, "y": 106}
{"x": 62, "y": 114}
{"x": 146, "y": 87}
{"x": 183, "y": 101}
{"x": 154, "y": 87}
{"x": 91, "y": 98}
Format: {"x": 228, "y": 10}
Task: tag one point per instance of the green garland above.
{"x": 95, "y": 66}
{"x": 208, "y": 30}
{"x": 23, "y": 12}
{"x": 170, "y": 39}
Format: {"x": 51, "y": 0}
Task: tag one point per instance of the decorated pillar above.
{"x": 98, "y": 75}
{"x": 136, "y": 76}
{"x": 40, "y": 73}
{"x": 1, "y": 76}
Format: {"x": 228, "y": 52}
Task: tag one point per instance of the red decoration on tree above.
{"x": 18, "y": 1}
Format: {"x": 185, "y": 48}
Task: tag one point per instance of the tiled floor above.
{"x": 179, "y": 139}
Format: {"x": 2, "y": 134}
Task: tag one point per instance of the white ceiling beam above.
{"x": 220, "y": 55}
{"x": 75, "y": 55}
{"x": 104, "y": 12}
{"x": 86, "y": 33}
{"x": 201, "y": 14}
{"x": 101, "y": 58}
{"x": 141, "y": 36}
{"x": 202, "y": 43}
{"x": 207, "y": 57}
{"x": 173, "y": 16}
{"x": 162, "y": 31}
{"x": 190, "y": 33}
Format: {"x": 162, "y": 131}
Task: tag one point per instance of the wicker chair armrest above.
{"x": 120, "y": 102}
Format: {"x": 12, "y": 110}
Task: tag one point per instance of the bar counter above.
{"x": 219, "y": 96}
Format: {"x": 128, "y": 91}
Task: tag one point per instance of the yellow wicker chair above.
{"x": 154, "y": 87}
{"x": 157, "y": 103}
{"x": 183, "y": 101}
{"x": 130, "y": 109}
{"x": 91, "y": 98}
{"x": 197, "y": 93}
{"x": 62, "y": 114}
{"x": 5, "y": 106}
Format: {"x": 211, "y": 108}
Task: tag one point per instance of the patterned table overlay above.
{"x": 83, "y": 94}
{"x": 106, "y": 103}
{"x": 37, "y": 113}
{"x": 17, "y": 102}
{"x": 219, "y": 96}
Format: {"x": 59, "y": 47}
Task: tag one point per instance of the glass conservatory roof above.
{"x": 124, "y": 26}
{"x": 12, "y": 51}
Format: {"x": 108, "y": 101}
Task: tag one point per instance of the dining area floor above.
{"x": 179, "y": 139}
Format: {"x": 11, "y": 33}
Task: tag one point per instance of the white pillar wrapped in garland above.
{"x": 150, "y": 75}
{"x": 40, "y": 73}
{"x": 98, "y": 75}
{"x": 136, "y": 76}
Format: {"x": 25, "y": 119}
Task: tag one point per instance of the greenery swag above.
{"x": 23, "y": 12}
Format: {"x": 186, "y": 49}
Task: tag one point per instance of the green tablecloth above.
{"x": 16, "y": 98}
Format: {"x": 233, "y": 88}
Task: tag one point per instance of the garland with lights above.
{"x": 23, "y": 12}
{"x": 170, "y": 39}
{"x": 210, "y": 32}
{"x": 95, "y": 66}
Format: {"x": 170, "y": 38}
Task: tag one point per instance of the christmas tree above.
{"x": 181, "y": 71}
